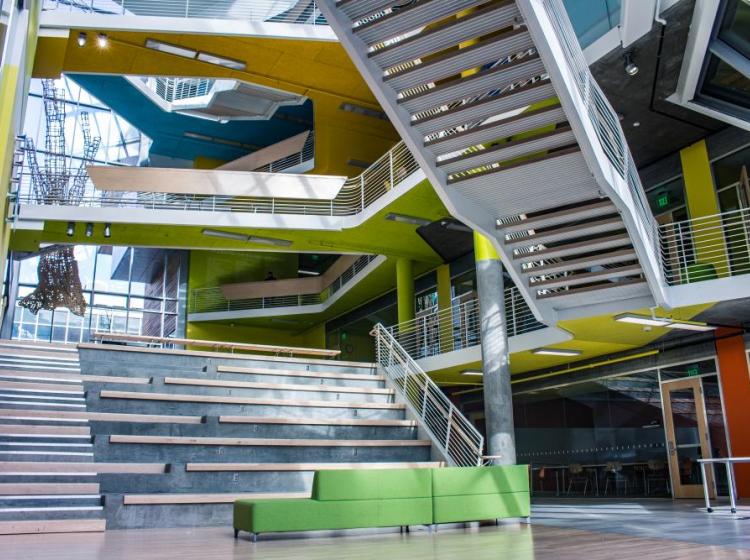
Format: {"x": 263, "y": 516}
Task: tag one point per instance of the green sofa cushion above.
{"x": 372, "y": 484}
{"x": 463, "y": 481}
{"x": 480, "y": 507}
{"x": 268, "y": 516}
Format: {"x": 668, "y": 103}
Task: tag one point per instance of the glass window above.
{"x": 592, "y": 18}
{"x": 735, "y": 26}
{"x": 725, "y": 83}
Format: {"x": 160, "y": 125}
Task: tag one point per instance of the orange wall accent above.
{"x": 735, "y": 384}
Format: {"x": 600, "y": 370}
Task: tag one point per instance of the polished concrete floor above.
{"x": 580, "y": 530}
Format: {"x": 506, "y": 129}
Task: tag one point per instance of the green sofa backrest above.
{"x": 372, "y": 484}
{"x": 463, "y": 481}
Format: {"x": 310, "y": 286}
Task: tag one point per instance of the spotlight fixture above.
{"x": 472, "y": 372}
{"x": 82, "y": 39}
{"x": 556, "y": 352}
{"x": 102, "y": 40}
{"x": 404, "y": 219}
{"x": 631, "y": 68}
{"x": 107, "y": 230}
{"x": 71, "y": 229}
{"x": 642, "y": 320}
{"x": 89, "y": 229}
{"x": 225, "y": 234}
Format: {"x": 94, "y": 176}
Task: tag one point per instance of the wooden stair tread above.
{"x": 316, "y": 421}
{"x": 73, "y": 378}
{"x": 228, "y": 498}
{"x": 40, "y": 387}
{"x": 299, "y": 373}
{"x": 218, "y": 399}
{"x": 47, "y": 488}
{"x": 32, "y": 526}
{"x": 43, "y": 430}
{"x": 17, "y": 413}
{"x": 275, "y": 386}
{"x": 7, "y": 467}
{"x": 306, "y": 467}
{"x": 267, "y": 442}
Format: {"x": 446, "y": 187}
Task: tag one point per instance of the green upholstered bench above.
{"x": 344, "y": 499}
{"x": 462, "y": 494}
{"x": 353, "y": 499}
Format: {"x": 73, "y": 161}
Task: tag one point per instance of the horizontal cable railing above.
{"x": 450, "y": 431}
{"x": 706, "y": 248}
{"x": 281, "y": 11}
{"x": 457, "y": 327}
{"x": 357, "y": 193}
{"x": 602, "y": 116}
{"x": 207, "y": 300}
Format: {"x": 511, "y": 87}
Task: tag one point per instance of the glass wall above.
{"x": 127, "y": 290}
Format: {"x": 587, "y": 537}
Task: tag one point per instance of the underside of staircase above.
{"x": 465, "y": 83}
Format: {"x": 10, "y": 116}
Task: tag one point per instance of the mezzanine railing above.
{"x": 450, "y": 431}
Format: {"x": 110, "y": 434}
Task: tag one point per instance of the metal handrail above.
{"x": 450, "y": 431}
{"x": 601, "y": 116}
{"x": 358, "y": 193}
{"x": 281, "y": 11}
{"x": 706, "y": 248}
{"x": 457, "y": 327}
{"x": 208, "y": 300}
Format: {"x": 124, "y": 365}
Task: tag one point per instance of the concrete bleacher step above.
{"x": 22, "y": 513}
{"x": 82, "y": 416}
{"x": 303, "y": 376}
{"x": 40, "y": 501}
{"x": 221, "y": 498}
{"x": 306, "y": 467}
{"x": 42, "y": 431}
{"x": 47, "y": 488}
{"x": 217, "y": 405}
{"x": 41, "y": 468}
{"x": 62, "y": 377}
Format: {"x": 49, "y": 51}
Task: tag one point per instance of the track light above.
{"x": 71, "y": 229}
{"x": 89, "y": 229}
{"x": 102, "y": 40}
{"x": 82, "y": 39}
{"x": 107, "y": 230}
{"x": 631, "y": 69}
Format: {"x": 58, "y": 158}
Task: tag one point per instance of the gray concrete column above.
{"x": 498, "y": 401}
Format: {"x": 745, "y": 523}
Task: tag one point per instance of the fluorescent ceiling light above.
{"x": 225, "y": 234}
{"x": 643, "y": 320}
{"x": 700, "y": 327}
{"x": 403, "y": 218}
{"x": 269, "y": 241}
{"x": 308, "y": 272}
{"x": 556, "y": 352}
{"x": 221, "y": 61}
{"x": 471, "y": 372}
{"x": 170, "y": 49}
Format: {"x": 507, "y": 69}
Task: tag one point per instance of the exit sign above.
{"x": 663, "y": 200}
{"x": 693, "y": 370}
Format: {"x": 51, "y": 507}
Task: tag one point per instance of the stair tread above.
{"x": 27, "y": 526}
{"x": 583, "y": 261}
{"x": 593, "y": 207}
{"x": 300, "y": 373}
{"x": 574, "y": 247}
{"x": 276, "y": 386}
{"x": 302, "y": 467}
{"x": 62, "y": 415}
{"x": 47, "y": 488}
{"x": 598, "y": 226}
{"x": 8, "y": 467}
{"x": 217, "y": 498}
{"x": 267, "y": 442}
{"x": 316, "y": 421}
{"x": 576, "y": 291}
{"x": 586, "y": 277}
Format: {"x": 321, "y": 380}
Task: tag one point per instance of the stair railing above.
{"x": 602, "y": 117}
{"x": 450, "y": 431}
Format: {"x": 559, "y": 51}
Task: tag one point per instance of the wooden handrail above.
{"x": 216, "y": 345}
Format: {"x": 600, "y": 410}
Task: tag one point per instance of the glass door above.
{"x": 686, "y": 430}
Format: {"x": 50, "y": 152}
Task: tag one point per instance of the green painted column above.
{"x": 444, "y": 296}
{"x": 15, "y": 73}
{"x": 498, "y": 400}
{"x": 405, "y": 289}
{"x": 703, "y": 204}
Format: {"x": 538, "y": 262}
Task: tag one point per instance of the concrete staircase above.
{"x": 45, "y": 482}
{"x": 485, "y": 93}
{"x": 172, "y": 437}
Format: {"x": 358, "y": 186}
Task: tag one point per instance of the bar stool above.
{"x": 656, "y": 476}
{"x": 613, "y": 473}
{"x": 577, "y": 476}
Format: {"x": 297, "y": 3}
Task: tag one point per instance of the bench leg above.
{"x": 254, "y": 537}
{"x": 236, "y": 533}
{"x": 407, "y": 528}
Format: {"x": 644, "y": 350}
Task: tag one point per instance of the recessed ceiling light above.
{"x": 170, "y": 49}
{"x": 642, "y": 320}
{"x": 404, "y": 219}
{"x": 269, "y": 241}
{"x": 221, "y": 61}
{"x": 225, "y": 234}
{"x": 102, "y": 40}
{"x": 82, "y": 39}
{"x": 689, "y": 326}
{"x": 472, "y": 372}
{"x": 556, "y": 352}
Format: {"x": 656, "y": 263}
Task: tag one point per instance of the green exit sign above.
{"x": 693, "y": 370}
{"x": 663, "y": 200}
